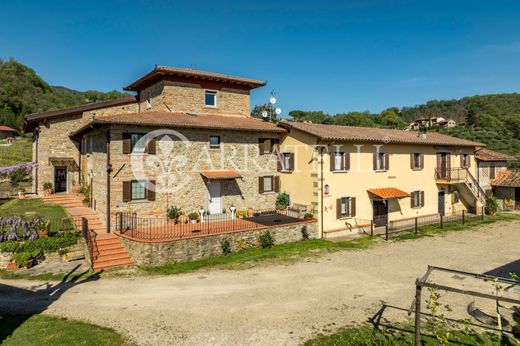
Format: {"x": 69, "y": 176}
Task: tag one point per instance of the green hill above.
{"x": 23, "y": 92}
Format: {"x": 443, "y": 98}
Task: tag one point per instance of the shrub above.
{"x": 266, "y": 239}
{"x": 194, "y": 216}
{"x": 226, "y": 246}
{"x": 47, "y": 185}
{"x": 491, "y": 205}
{"x": 282, "y": 200}
{"x": 173, "y": 212}
{"x": 45, "y": 245}
{"x": 22, "y": 258}
{"x": 305, "y": 233}
{"x": 308, "y": 215}
{"x": 241, "y": 213}
{"x": 16, "y": 177}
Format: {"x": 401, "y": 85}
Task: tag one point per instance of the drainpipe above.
{"x": 109, "y": 171}
{"x": 36, "y": 134}
{"x": 322, "y": 148}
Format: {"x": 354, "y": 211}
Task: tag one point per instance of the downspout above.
{"x": 36, "y": 134}
{"x": 109, "y": 171}
{"x": 322, "y": 188}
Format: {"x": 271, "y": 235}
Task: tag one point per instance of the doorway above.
{"x": 215, "y": 197}
{"x": 380, "y": 214}
{"x": 441, "y": 200}
{"x": 60, "y": 179}
{"x": 443, "y": 166}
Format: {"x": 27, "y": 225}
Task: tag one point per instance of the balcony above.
{"x": 451, "y": 175}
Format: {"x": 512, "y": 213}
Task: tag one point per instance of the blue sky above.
{"x": 335, "y": 56}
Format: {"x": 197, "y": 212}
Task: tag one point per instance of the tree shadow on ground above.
{"x": 34, "y": 300}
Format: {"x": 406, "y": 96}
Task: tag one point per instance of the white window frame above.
{"x": 215, "y": 94}
{"x": 381, "y": 164}
{"x": 418, "y": 202}
{"x": 271, "y": 178}
{"x": 348, "y": 204}
{"x": 143, "y": 183}
{"x": 341, "y": 156}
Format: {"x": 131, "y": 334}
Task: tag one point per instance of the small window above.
{"x": 346, "y": 207}
{"x": 417, "y": 199}
{"x": 138, "y": 190}
{"x": 134, "y": 139}
{"x": 267, "y": 145}
{"x": 214, "y": 142}
{"x": 268, "y": 184}
{"x": 492, "y": 172}
{"x": 148, "y": 99}
{"x": 287, "y": 163}
{"x": 417, "y": 159}
{"x": 338, "y": 161}
{"x": 464, "y": 160}
{"x": 210, "y": 98}
{"x": 456, "y": 197}
{"x": 381, "y": 161}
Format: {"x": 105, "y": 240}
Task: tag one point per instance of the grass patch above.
{"x": 283, "y": 252}
{"x": 368, "y": 336}
{"x": 32, "y": 205}
{"x": 48, "y": 330}
{"x": 433, "y": 230}
{"x": 17, "y": 152}
{"x": 23, "y": 275}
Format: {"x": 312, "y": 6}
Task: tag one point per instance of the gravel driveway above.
{"x": 274, "y": 304}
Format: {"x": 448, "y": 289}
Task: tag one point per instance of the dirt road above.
{"x": 275, "y": 304}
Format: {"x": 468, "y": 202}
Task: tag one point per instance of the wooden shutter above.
{"x": 448, "y": 163}
{"x": 275, "y": 142}
{"x": 462, "y": 161}
{"x": 279, "y": 162}
{"x": 260, "y": 184}
{"x": 291, "y": 161}
{"x": 276, "y": 183}
{"x": 492, "y": 172}
{"x": 127, "y": 191}
{"x": 387, "y": 161}
{"x": 422, "y": 198}
{"x": 150, "y": 147}
{"x": 150, "y": 192}
{"x": 261, "y": 145}
{"x": 332, "y": 160}
{"x": 352, "y": 206}
{"x": 338, "y": 208}
{"x": 375, "y": 161}
{"x": 469, "y": 160}
{"x": 346, "y": 158}
{"x": 268, "y": 146}
{"x": 421, "y": 157}
{"x": 127, "y": 143}
{"x": 412, "y": 161}
{"x": 412, "y": 200}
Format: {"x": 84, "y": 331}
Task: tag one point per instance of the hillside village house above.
{"x": 349, "y": 176}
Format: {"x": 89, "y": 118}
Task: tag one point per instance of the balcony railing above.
{"x": 451, "y": 174}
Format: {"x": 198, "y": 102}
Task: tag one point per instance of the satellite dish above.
{"x": 264, "y": 114}
{"x": 272, "y": 100}
{"x": 278, "y": 111}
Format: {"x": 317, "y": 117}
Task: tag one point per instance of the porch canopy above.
{"x": 388, "y": 193}
{"x": 221, "y": 175}
{"x": 68, "y": 162}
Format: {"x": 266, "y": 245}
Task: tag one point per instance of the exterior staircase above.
{"x": 107, "y": 249}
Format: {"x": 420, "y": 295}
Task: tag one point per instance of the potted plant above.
{"x": 173, "y": 213}
{"x": 282, "y": 201}
{"x": 308, "y": 216}
{"x": 47, "y": 188}
{"x": 23, "y": 259}
{"x": 194, "y": 217}
{"x": 250, "y": 212}
{"x": 241, "y": 214}
{"x": 21, "y": 193}
{"x": 42, "y": 228}
{"x": 86, "y": 201}
{"x": 76, "y": 187}
{"x": 12, "y": 266}
{"x": 491, "y": 206}
{"x": 183, "y": 218}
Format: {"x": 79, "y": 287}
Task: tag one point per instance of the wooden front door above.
{"x": 60, "y": 179}
{"x": 442, "y": 202}
{"x": 517, "y": 198}
{"x": 380, "y": 214}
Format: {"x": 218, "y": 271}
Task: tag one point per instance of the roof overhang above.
{"x": 388, "y": 193}
{"x": 68, "y": 162}
{"x": 221, "y": 175}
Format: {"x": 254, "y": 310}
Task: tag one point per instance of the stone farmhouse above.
{"x": 187, "y": 140}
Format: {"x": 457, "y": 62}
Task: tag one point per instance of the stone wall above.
{"x": 189, "y": 97}
{"x": 187, "y": 250}
{"x": 503, "y": 193}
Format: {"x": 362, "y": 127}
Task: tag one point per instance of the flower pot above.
{"x": 48, "y": 191}
{"x": 193, "y": 221}
{"x": 21, "y": 194}
{"x": 183, "y": 219}
{"x": 76, "y": 188}
{"x": 43, "y": 233}
{"x": 250, "y": 212}
{"x": 12, "y": 266}
{"x": 29, "y": 263}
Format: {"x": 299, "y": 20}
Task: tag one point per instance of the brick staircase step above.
{"x": 112, "y": 264}
{"x": 102, "y": 257}
{"x": 101, "y": 248}
{"x": 115, "y": 251}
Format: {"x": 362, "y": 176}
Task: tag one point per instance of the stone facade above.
{"x": 204, "y": 247}
{"x": 173, "y": 96}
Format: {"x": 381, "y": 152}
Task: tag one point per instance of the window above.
{"x": 134, "y": 138}
{"x": 339, "y": 161}
{"x": 492, "y": 172}
{"x": 417, "y": 199}
{"x": 148, "y": 99}
{"x": 130, "y": 146}
{"x": 267, "y": 145}
{"x": 381, "y": 161}
{"x": 287, "y": 163}
{"x": 417, "y": 161}
{"x": 464, "y": 160}
{"x": 345, "y": 207}
{"x": 138, "y": 190}
{"x": 268, "y": 184}
{"x": 210, "y": 98}
{"x": 455, "y": 197}
{"x": 214, "y": 142}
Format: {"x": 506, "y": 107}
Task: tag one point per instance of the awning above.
{"x": 68, "y": 162}
{"x": 389, "y": 193}
{"x": 220, "y": 175}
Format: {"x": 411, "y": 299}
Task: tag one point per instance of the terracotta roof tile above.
{"x": 6, "y": 128}
{"x": 367, "y": 134}
{"x": 389, "y": 193}
{"x": 490, "y": 155}
{"x": 221, "y": 175}
{"x": 507, "y": 179}
{"x": 187, "y": 120}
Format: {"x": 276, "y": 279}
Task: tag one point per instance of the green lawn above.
{"x": 46, "y": 330}
{"x": 368, "y": 336}
{"x": 22, "y": 206}
{"x": 19, "y": 151}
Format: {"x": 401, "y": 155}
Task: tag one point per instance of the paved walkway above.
{"x": 268, "y": 304}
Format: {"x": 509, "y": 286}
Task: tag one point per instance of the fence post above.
{"x": 482, "y": 213}
{"x": 441, "y": 221}
{"x": 119, "y": 221}
{"x": 463, "y": 216}
{"x": 416, "y": 225}
{"x": 386, "y": 231}
{"x": 371, "y": 228}
{"x": 418, "y": 289}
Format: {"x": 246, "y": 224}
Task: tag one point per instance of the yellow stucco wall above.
{"x": 303, "y": 184}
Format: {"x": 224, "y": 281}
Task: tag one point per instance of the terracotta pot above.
{"x": 43, "y": 234}
{"x": 30, "y": 263}
{"x": 76, "y": 188}
{"x": 49, "y": 191}
{"x": 21, "y": 195}
{"x": 12, "y": 266}
{"x": 183, "y": 219}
